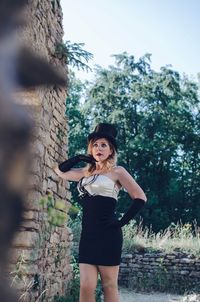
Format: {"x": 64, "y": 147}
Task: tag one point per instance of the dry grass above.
{"x": 191, "y": 298}
{"x": 184, "y": 237}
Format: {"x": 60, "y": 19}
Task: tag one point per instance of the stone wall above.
{"x": 40, "y": 261}
{"x": 174, "y": 272}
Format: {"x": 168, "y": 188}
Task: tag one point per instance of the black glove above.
{"x": 136, "y": 206}
{"x": 69, "y": 163}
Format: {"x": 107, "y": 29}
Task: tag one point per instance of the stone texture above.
{"x": 26, "y": 239}
{"x": 160, "y": 272}
{"x": 41, "y": 250}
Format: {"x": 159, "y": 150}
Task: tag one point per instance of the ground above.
{"x": 130, "y": 296}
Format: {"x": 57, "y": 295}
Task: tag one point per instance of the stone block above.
{"x": 62, "y": 191}
{"x": 34, "y": 182}
{"x": 32, "y": 201}
{"x": 184, "y": 272}
{"x": 195, "y": 274}
{"x": 30, "y": 225}
{"x": 55, "y": 238}
{"x": 26, "y": 239}
{"x": 186, "y": 260}
{"x": 30, "y": 215}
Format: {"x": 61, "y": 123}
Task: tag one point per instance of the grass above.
{"x": 177, "y": 237}
{"x": 182, "y": 237}
{"x": 191, "y": 298}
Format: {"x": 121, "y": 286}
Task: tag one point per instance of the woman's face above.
{"x": 101, "y": 149}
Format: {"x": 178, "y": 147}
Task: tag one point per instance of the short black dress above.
{"x": 100, "y": 242}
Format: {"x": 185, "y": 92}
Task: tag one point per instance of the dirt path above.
{"x": 130, "y": 296}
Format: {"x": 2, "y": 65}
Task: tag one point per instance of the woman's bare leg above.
{"x": 88, "y": 282}
{"x": 109, "y": 278}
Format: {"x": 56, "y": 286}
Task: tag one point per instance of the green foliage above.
{"x": 160, "y": 281}
{"x": 73, "y": 54}
{"x": 78, "y": 124}
{"x": 157, "y": 116}
{"x": 56, "y": 210}
{"x": 60, "y": 133}
{"x": 73, "y": 211}
{"x": 158, "y": 122}
{"x": 75, "y": 225}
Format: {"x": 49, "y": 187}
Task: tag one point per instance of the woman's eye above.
{"x": 102, "y": 145}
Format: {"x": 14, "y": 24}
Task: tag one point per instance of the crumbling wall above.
{"x": 40, "y": 261}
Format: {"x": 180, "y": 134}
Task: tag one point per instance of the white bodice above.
{"x": 99, "y": 184}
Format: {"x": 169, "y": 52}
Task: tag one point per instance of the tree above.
{"x": 157, "y": 116}
{"x": 78, "y": 127}
{"x": 74, "y": 55}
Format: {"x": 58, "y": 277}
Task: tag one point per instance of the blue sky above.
{"x": 168, "y": 29}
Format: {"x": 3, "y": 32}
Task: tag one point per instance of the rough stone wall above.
{"x": 174, "y": 272}
{"x": 41, "y": 252}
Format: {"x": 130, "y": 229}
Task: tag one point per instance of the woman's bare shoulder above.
{"x": 119, "y": 170}
{"x": 116, "y": 172}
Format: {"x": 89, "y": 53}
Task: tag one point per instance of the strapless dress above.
{"x": 101, "y": 241}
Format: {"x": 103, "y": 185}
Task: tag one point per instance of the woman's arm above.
{"x": 135, "y": 192}
{"x": 74, "y": 174}
{"x": 129, "y": 184}
{"x": 66, "y": 171}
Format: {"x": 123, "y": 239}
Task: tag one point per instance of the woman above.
{"x": 101, "y": 237}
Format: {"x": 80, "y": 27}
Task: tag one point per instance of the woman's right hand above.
{"x": 66, "y": 171}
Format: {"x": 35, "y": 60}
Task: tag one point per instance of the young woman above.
{"x": 101, "y": 237}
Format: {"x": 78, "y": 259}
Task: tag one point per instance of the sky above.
{"x": 168, "y": 29}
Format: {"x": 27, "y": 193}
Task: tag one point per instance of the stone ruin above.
{"x": 40, "y": 257}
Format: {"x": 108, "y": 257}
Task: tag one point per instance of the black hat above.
{"x": 104, "y": 130}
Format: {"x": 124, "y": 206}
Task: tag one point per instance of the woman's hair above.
{"x": 108, "y": 164}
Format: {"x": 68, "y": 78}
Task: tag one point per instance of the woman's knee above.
{"x": 109, "y": 285}
{"x": 88, "y": 282}
{"x": 87, "y": 286}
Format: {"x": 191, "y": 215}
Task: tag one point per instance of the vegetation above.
{"x": 191, "y": 298}
{"x": 182, "y": 237}
{"x": 178, "y": 236}
{"x": 73, "y": 54}
{"x": 157, "y": 116}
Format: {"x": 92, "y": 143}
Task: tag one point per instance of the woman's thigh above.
{"x": 109, "y": 275}
{"x": 88, "y": 275}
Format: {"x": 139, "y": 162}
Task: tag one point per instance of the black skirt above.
{"x": 101, "y": 242}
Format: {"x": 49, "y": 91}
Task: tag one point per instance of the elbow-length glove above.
{"x": 71, "y": 162}
{"x": 136, "y": 206}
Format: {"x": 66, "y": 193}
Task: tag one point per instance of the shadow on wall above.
{"x": 19, "y": 68}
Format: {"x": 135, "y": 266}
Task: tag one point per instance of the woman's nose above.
{"x": 99, "y": 147}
